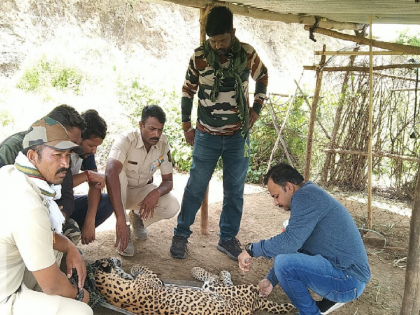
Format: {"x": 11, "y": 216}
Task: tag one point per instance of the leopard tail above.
{"x": 273, "y": 307}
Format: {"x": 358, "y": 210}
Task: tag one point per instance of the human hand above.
{"x": 122, "y": 231}
{"x": 148, "y": 205}
{"x": 253, "y": 116}
{"x": 98, "y": 179}
{"x": 86, "y": 297}
{"x": 265, "y": 287}
{"x": 244, "y": 261}
{"x": 88, "y": 231}
{"x": 75, "y": 260}
{"x": 189, "y": 136}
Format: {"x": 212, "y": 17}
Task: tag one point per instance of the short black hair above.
{"x": 38, "y": 148}
{"x": 282, "y": 173}
{"x": 153, "y": 111}
{"x": 67, "y": 116}
{"x": 95, "y": 125}
{"x": 219, "y": 21}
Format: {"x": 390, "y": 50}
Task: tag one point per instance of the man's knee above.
{"x": 172, "y": 206}
{"x": 285, "y": 266}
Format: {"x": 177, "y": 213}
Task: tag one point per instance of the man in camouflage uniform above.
{"x": 219, "y": 70}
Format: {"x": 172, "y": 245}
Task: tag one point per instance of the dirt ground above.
{"x": 386, "y": 244}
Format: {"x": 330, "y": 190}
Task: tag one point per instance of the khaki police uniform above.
{"x": 138, "y": 169}
{"x": 26, "y": 245}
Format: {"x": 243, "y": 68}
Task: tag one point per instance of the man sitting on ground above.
{"x": 321, "y": 248}
{"x": 132, "y": 161}
{"x": 93, "y": 209}
{"x": 74, "y": 124}
{"x": 31, "y": 244}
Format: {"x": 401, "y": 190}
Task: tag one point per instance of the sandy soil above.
{"x": 386, "y": 244}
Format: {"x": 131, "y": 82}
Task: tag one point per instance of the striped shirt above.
{"x": 220, "y": 117}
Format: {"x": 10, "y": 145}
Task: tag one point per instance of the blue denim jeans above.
{"x": 105, "y": 209}
{"x": 298, "y": 272}
{"x": 206, "y": 152}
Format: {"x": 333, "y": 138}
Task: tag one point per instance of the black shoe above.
{"x": 179, "y": 246}
{"x": 232, "y": 248}
{"x": 327, "y": 306}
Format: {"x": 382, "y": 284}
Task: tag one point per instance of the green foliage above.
{"x": 405, "y": 39}
{"x": 6, "y": 118}
{"x": 46, "y": 73}
{"x": 263, "y": 138}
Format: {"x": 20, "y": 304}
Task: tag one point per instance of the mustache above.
{"x": 157, "y": 139}
{"x": 63, "y": 169}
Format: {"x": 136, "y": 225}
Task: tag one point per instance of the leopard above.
{"x": 147, "y": 294}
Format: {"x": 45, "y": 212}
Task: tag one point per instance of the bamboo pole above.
{"x": 411, "y": 302}
{"x": 359, "y": 53}
{"x": 310, "y": 107}
{"x": 363, "y": 69}
{"x": 313, "y": 118}
{"x": 329, "y": 69}
{"x": 370, "y": 131}
{"x": 376, "y": 154}
{"x": 408, "y": 49}
{"x": 279, "y": 132}
{"x": 204, "y": 210}
{"x": 337, "y": 120}
{"x": 270, "y": 15}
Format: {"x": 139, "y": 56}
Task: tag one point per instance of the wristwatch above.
{"x": 248, "y": 248}
{"x": 80, "y": 295}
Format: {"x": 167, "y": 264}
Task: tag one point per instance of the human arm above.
{"x": 113, "y": 169}
{"x": 91, "y": 176}
{"x": 265, "y": 287}
{"x": 244, "y": 261}
{"x": 73, "y": 258}
{"x": 259, "y": 74}
{"x": 189, "y": 89}
{"x": 149, "y": 203}
{"x": 10, "y": 147}
{"x": 53, "y": 282}
{"x": 66, "y": 202}
{"x": 94, "y": 197}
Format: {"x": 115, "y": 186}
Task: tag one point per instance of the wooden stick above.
{"x": 377, "y": 154}
{"x": 408, "y": 49}
{"x": 204, "y": 222}
{"x": 411, "y": 302}
{"x": 310, "y": 106}
{"x": 370, "y": 128}
{"x": 363, "y": 69}
{"x": 204, "y": 210}
{"x": 359, "y": 53}
{"x": 279, "y": 137}
{"x": 313, "y": 118}
{"x": 337, "y": 121}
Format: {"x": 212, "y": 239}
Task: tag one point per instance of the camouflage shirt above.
{"x": 220, "y": 117}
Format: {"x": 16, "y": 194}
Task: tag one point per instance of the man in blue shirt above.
{"x": 321, "y": 248}
{"x": 92, "y": 209}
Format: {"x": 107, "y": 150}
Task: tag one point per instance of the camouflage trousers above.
{"x": 72, "y": 231}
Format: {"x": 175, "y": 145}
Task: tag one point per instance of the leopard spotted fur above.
{"x": 147, "y": 294}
